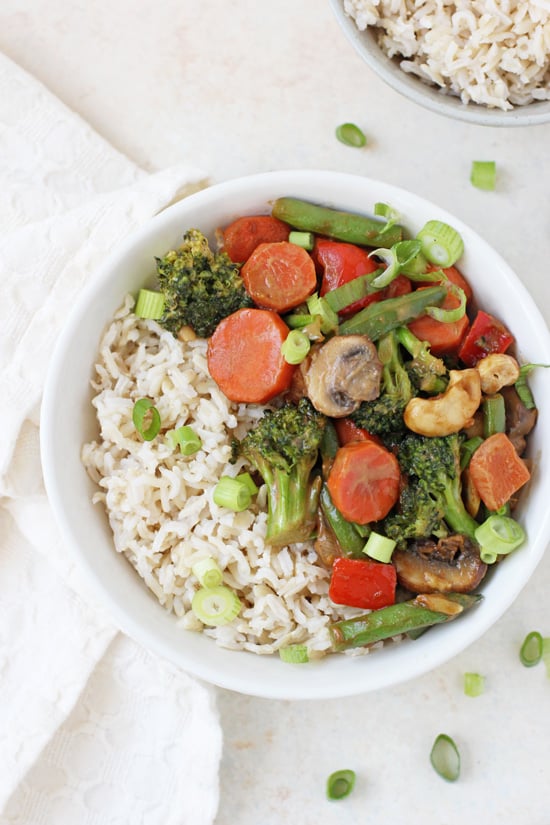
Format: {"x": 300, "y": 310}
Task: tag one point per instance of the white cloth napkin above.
{"x": 93, "y": 729}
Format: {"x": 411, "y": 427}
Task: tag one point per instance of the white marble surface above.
{"x": 247, "y": 86}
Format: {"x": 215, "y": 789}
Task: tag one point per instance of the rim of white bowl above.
{"x": 318, "y": 680}
{"x": 411, "y": 87}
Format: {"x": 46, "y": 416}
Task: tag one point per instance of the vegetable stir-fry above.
{"x": 397, "y": 420}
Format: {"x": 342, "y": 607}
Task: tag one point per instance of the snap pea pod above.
{"x": 423, "y": 611}
{"x": 344, "y": 226}
{"x": 348, "y": 538}
{"x": 381, "y": 317}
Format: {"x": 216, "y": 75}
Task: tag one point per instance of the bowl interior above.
{"x": 429, "y": 96}
{"x": 84, "y": 525}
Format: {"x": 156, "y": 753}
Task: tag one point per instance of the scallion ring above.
{"x": 246, "y": 478}
{"x": 295, "y": 347}
{"x": 398, "y": 256}
{"x": 304, "y": 239}
{"x": 445, "y": 758}
{"x": 207, "y": 572}
{"x": 294, "y": 654}
{"x": 149, "y": 304}
{"x": 215, "y": 606}
{"x": 522, "y": 388}
{"x": 499, "y": 535}
{"x": 340, "y": 784}
{"x": 351, "y": 135}
{"x": 483, "y": 174}
{"x": 231, "y": 493}
{"x": 146, "y": 419}
{"x": 441, "y": 244}
{"x": 186, "y": 439}
{"x": 346, "y": 294}
{"x": 319, "y": 306}
{"x": 450, "y": 316}
{"x": 384, "y": 210}
{"x": 379, "y": 547}
{"x": 474, "y": 684}
{"x": 530, "y": 652}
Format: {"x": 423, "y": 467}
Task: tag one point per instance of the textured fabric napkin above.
{"x": 93, "y": 729}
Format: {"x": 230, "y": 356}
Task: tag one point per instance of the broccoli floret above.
{"x": 200, "y": 287}
{"x": 427, "y": 372}
{"x": 283, "y": 448}
{"x": 433, "y": 464}
{"x": 384, "y": 415}
{"x": 418, "y": 515}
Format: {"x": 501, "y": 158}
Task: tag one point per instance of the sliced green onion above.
{"x": 246, "y": 478}
{"x": 498, "y": 536}
{"x": 379, "y": 547}
{"x": 207, "y": 572}
{"x": 484, "y": 174}
{"x": 441, "y": 244}
{"x": 146, "y": 419}
{"x": 474, "y": 684}
{"x": 231, "y": 493}
{"x": 467, "y": 450}
{"x": 352, "y": 291}
{"x": 351, "y": 135}
{"x": 298, "y": 320}
{"x": 546, "y": 654}
{"x": 149, "y": 304}
{"x": 294, "y": 654}
{"x": 295, "y": 347}
{"x": 450, "y": 316}
{"x": 320, "y": 306}
{"x": 445, "y": 758}
{"x": 416, "y": 269}
{"x": 186, "y": 439}
{"x": 304, "y": 239}
{"x": 530, "y": 652}
{"x": 215, "y": 606}
{"x": 384, "y": 210}
{"x": 340, "y": 784}
{"x": 494, "y": 414}
{"x": 522, "y": 387}
{"x": 395, "y": 258}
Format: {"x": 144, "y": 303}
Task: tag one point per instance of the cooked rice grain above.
{"x": 492, "y": 52}
{"x": 159, "y": 503}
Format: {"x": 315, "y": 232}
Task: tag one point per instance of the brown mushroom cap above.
{"x": 341, "y": 373}
{"x": 450, "y": 565}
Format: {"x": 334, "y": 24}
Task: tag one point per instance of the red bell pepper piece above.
{"x": 338, "y": 263}
{"x": 485, "y": 336}
{"x": 365, "y": 584}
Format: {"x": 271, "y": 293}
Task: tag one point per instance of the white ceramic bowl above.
{"x": 84, "y": 525}
{"x": 429, "y": 96}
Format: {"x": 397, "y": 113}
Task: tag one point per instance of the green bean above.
{"x": 344, "y": 226}
{"x": 383, "y": 316}
{"x": 399, "y": 618}
{"x": 348, "y": 538}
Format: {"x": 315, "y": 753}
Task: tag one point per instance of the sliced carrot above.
{"x": 443, "y": 337}
{"x": 244, "y": 356}
{"x": 279, "y": 276}
{"x": 364, "y": 481}
{"x": 456, "y": 277}
{"x": 497, "y": 471}
{"x": 241, "y": 237}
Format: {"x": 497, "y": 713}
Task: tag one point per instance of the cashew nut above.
{"x": 496, "y": 371}
{"x": 449, "y": 412}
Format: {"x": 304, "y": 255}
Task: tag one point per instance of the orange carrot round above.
{"x": 364, "y": 481}
{"x": 241, "y": 237}
{"x": 279, "y": 276}
{"x": 244, "y": 356}
{"x": 497, "y": 471}
{"x": 443, "y": 337}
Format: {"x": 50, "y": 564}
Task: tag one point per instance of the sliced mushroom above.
{"x": 496, "y": 371}
{"x": 450, "y": 565}
{"x": 449, "y": 412}
{"x": 519, "y": 420}
{"x": 341, "y": 373}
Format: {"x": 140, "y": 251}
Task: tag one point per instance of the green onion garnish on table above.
{"x": 484, "y": 174}
{"x": 215, "y": 606}
{"x": 441, "y": 244}
{"x": 351, "y": 135}
{"x": 445, "y": 758}
{"x": 231, "y": 493}
{"x": 186, "y": 439}
{"x": 149, "y": 304}
{"x": 531, "y": 649}
{"x": 340, "y": 784}
{"x": 146, "y": 419}
{"x": 474, "y": 684}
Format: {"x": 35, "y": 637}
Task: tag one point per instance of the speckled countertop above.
{"x": 243, "y": 87}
